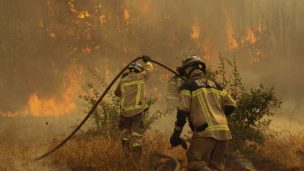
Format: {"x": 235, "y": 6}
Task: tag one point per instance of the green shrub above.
{"x": 253, "y": 117}
{"x": 255, "y": 107}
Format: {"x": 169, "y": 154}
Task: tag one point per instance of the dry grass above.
{"x": 106, "y": 154}
{"x": 281, "y": 151}
{"x": 285, "y": 149}
{"x": 18, "y": 157}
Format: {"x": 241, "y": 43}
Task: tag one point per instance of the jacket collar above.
{"x": 197, "y": 74}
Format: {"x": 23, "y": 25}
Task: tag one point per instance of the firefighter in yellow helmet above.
{"x": 131, "y": 90}
{"x": 206, "y": 105}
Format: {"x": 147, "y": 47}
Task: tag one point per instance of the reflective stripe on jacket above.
{"x": 131, "y": 90}
{"x": 204, "y": 102}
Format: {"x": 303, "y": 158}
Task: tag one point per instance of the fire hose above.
{"x": 97, "y": 103}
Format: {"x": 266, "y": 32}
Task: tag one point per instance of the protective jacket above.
{"x": 203, "y": 102}
{"x": 131, "y": 90}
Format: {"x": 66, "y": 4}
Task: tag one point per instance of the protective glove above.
{"x": 175, "y": 140}
{"x": 146, "y": 58}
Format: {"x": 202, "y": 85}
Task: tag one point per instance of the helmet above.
{"x": 193, "y": 61}
{"x": 137, "y": 67}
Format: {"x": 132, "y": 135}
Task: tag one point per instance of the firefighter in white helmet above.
{"x": 131, "y": 90}
{"x": 206, "y": 105}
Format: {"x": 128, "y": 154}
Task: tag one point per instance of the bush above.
{"x": 255, "y": 107}
{"x": 253, "y": 117}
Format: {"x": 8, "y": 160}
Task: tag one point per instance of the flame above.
{"x": 51, "y": 34}
{"x": 102, "y": 19}
{"x": 57, "y": 105}
{"x": 83, "y": 14}
{"x": 80, "y": 14}
{"x": 208, "y": 50}
{"x": 13, "y": 114}
{"x": 195, "y": 31}
{"x": 126, "y": 15}
{"x": 72, "y": 7}
{"x": 49, "y": 106}
{"x": 233, "y": 44}
{"x": 205, "y": 47}
{"x": 250, "y": 36}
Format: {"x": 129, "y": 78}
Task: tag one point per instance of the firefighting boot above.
{"x": 136, "y": 155}
{"x": 126, "y": 147}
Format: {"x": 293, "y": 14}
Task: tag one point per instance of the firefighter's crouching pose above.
{"x": 131, "y": 89}
{"x": 206, "y": 105}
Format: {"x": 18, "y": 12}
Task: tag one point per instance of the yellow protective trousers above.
{"x": 131, "y": 132}
{"x": 206, "y": 154}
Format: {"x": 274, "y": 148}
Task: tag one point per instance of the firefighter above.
{"x": 131, "y": 92}
{"x": 206, "y": 105}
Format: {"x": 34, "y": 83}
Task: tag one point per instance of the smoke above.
{"x": 41, "y": 40}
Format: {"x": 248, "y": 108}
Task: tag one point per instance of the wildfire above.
{"x": 80, "y": 14}
{"x": 72, "y": 7}
{"x": 57, "y": 105}
{"x": 126, "y": 15}
{"x": 206, "y": 47}
{"x": 12, "y": 114}
{"x": 250, "y": 36}
{"x": 83, "y": 14}
{"x": 40, "y": 106}
{"x": 102, "y": 19}
{"x": 233, "y": 44}
{"x": 195, "y": 31}
{"x": 51, "y": 34}
{"x": 208, "y": 50}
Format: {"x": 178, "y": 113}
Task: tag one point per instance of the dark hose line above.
{"x": 164, "y": 66}
{"x": 97, "y": 103}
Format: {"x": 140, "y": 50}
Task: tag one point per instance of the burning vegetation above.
{"x": 48, "y": 47}
{"x": 107, "y": 33}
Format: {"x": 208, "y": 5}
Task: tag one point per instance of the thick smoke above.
{"x": 40, "y": 40}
